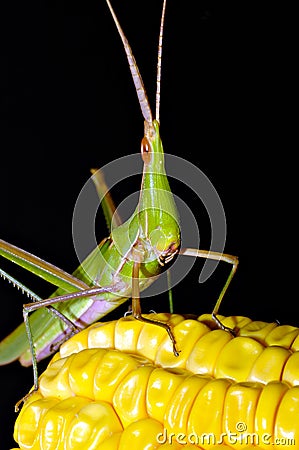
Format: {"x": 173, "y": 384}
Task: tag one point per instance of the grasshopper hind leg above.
{"x": 216, "y": 256}
{"x": 136, "y": 309}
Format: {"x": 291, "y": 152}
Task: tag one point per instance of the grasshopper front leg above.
{"x": 136, "y": 308}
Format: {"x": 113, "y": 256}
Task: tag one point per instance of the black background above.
{"x": 68, "y": 104}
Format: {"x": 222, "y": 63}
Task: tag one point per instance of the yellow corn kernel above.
{"x": 187, "y": 333}
{"x": 91, "y": 426}
{"x": 269, "y": 365}
{"x": 204, "y": 355}
{"x": 239, "y": 413}
{"x": 26, "y": 432}
{"x": 161, "y": 387}
{"x": 237, "y": 358}
{"x": 100, "y": 332}
{"x": 55, "y": 381}
{"x": 286, "y": 423}
{"x": 209, "y": 426}
{"x": 272, "y": 394}
{"x": 290, "y": 370}
{"x": 113, "y": 368}
{"x": 295, "y": 344}
{"x": 141, "y": 434}
{"x": 82, "y": 371}
{"x": 126, "y": 334}
{"x": 54, "y": 424}
{"x": 112, "y": 442}
{"x": 282, "y": 335}
{"x": 257, "y": 330}
{"x": 152, "y": 338}
{"x": 79, "y": 342}
{"x": 178, "y": 410}
{"x": 232, "y": 322}
{"x": 129, "y": 400}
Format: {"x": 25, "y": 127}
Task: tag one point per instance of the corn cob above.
{"x": 118, "y": 384}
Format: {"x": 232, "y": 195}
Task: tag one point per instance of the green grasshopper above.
{"x": 121, "y": 266}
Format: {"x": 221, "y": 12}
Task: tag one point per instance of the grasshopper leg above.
{"x": 217, "y": 256}
{"x": 136, "y": 308}
{"x": 30, "y": 307}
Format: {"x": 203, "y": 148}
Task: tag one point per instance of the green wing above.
{"x": 44, "y": 325}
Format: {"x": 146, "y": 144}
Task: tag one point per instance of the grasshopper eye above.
{"x": 145, "y": 150}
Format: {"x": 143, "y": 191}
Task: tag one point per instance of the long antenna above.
{"x": 139, "y": 85}
{"x": 159, "y": 63}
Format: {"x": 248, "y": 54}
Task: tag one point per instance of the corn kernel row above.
{"x": 261, "y": 352}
